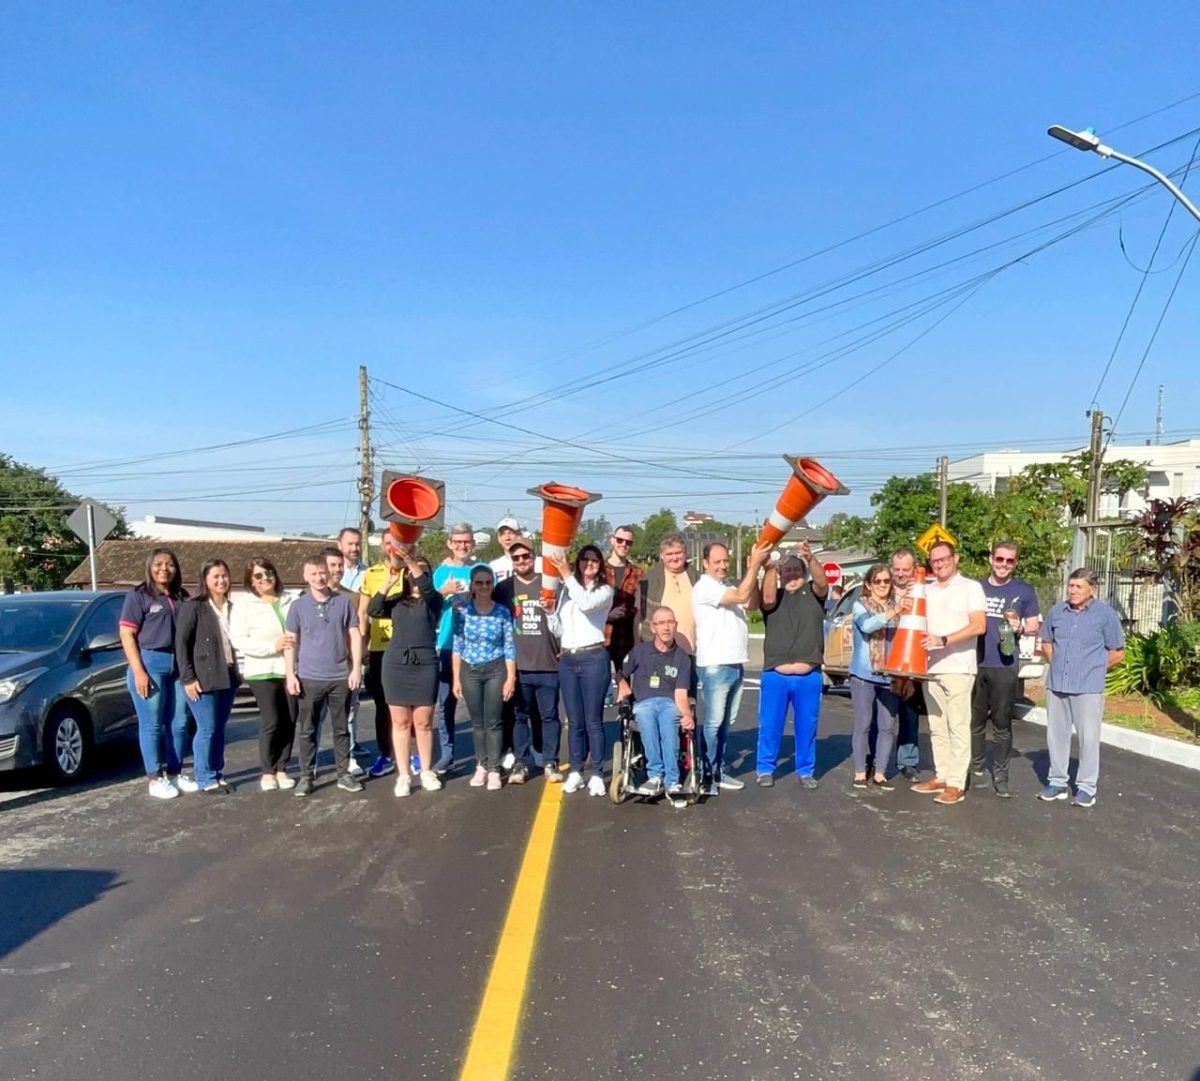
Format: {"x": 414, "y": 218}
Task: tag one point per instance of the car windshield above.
{"x": 28, "y": 625}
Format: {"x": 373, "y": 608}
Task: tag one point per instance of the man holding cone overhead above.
{"x": 957, "y": 612}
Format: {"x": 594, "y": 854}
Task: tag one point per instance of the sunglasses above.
{"x": 321, "y": 610}
{"x": 260, "y": 576}
{"x": 881, "y": 581}
{"x": 589, "y": 559}
{"x": 521, "y": 557}
{"x": 622, "y": 540}
{"x": 1004, "y": 560}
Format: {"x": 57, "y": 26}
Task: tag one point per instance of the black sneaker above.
{"x": 349, "y": 783}
{"x": 978, "y": 769}
{"x": 859, "y": 782}
{"x": 908, "y": 773}
{"x": 304, "y": 787}
{"x": 882, "y": 786}
{"x": 519, "y": 774}
{"x": 1000, "y": 787}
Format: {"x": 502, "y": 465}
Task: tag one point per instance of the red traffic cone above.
{"x": 907, "y": 657}
{"x": 809, "y": 484}
{"x": 562, "y": 510}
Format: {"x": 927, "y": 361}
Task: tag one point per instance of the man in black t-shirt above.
{"x": 537, "y": 667}
{"x": 660, "y": 673}
{"x": 793, "y": 607}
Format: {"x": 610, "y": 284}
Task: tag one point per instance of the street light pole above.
{"x": 1088, "y": 140}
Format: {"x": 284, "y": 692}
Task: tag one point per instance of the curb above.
{"x": 1128, "y": 739}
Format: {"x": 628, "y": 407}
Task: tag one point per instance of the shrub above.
{"x": 1155, "y": 664}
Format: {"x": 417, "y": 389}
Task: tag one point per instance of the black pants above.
{"x": 316, "y": 695}
{"x": 383, "y": 716}
{"x": 483, "y": 692}
{"x": 276, "y": 723}
{"x": 994, "y": 694}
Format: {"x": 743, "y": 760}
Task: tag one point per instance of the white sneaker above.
{"x": 596, "y": 785}
{"x": 284, "y": 781}
{"x": 480, "y": 778}
{"x": 430, "y": 782}
{"x": 508, "y": 761}
{"x": 268, "y": 783}
{"x": 403, "y": 786}
{"x": 354, "y": 769}
{"x": 574, "y": 781}
{"x": 184, "y": 783}
{"x": 161, "y": 788}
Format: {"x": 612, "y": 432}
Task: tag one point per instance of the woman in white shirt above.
{"x": 583, "y": 666}
{"x": 256, "y": 628}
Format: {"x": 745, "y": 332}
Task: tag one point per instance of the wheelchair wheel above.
{"x": 616, "y": 784}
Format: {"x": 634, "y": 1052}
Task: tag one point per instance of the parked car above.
{"x": 839, "y": 645}
{"x": 62, "y": 680}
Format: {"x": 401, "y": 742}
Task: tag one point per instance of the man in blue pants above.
{"x": 793, "y": 607}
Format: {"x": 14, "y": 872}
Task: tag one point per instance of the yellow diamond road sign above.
{"x": 935, "y": 534}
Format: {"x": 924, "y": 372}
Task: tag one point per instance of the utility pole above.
{"x": 1158, "y": 418}
{"x": 943, "y": 468}
{"x": 1095, "y": 472}
{"x": 366, "y": 471}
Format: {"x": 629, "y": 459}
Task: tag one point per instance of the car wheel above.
{"x": 67, "y": 746}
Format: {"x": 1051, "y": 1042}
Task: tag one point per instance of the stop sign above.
{"x": 833, "y": 573}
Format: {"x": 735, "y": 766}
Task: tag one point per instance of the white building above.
{"x": 160, "y": 527}
{"x": 1174, "y": 471}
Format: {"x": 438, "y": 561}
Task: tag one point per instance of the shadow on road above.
{"x": 33, "y": 901}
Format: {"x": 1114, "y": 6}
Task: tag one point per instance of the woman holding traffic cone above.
{"x": 875, "y": 616}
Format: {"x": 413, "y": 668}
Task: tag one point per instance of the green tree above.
{"x": 907, "y": 506}
{"x": 647, "y": 536}
{"x": 37, "y": 549}
{"x": 848, "y": 531}
{"x": 593, "y": 531}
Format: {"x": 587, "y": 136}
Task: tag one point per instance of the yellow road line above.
{"x": 494, "y": 1038}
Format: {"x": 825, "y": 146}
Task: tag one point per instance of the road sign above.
{"x": 935, "y": 534}
{"x": 103, "y": 523}
{"x": 833, "y": 573}
{"x": 91, "y": 522}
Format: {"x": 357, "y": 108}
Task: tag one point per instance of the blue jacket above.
{"x": 865, "y": 624}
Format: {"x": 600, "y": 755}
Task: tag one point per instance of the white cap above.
{"x": 508, "y": 522}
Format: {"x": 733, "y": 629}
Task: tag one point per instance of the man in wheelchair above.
{"x": 658, "y": 673}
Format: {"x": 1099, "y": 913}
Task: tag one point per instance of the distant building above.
{"x": 1174, "y": 471}
{"x": 693, "y": 519}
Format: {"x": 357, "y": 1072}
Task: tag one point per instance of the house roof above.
{"x": 122, "y": 563}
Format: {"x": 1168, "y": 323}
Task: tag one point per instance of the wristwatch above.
{"x": 945, "y": 641}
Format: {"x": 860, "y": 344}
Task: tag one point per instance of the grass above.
{"x": 1179, "y": 718}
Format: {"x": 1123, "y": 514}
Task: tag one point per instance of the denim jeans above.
{"x": 803, "y": 694}
{"x": 875, "y": 704}
{"x": 444, "y": 712}
{"x": 540, "y": 689}
{"x": 908, "y": 731}
{"x": 483, "y": 695}
{"x": 162, "y": 718}
{"x": 720, "y": 696}
{"x": 658, "y": 721}
{"x": 211, "y": 711}
{"x": 584, "y": 678}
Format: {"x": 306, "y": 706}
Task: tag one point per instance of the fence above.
{"x": 1138, "y": 594}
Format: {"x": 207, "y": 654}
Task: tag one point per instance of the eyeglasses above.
{"x": 259, "y": 576}
{"x": 1004, "y": 560}
{"x": 940, "y": 560}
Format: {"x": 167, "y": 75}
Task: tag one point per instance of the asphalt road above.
{"x": 769, "y": 933}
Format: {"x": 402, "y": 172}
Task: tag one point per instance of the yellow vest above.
{"x": 372, "y": 581}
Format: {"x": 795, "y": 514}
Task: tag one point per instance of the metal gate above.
{"x": 1137, "y": 591}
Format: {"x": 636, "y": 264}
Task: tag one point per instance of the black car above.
{"x": 62, "y": 680}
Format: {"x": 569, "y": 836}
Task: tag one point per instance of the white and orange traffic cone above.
{"x": 562, "y": 511}
{"x": 410, "y": 504}
{"x": 809, "y": 483}
{"x": 907, "y": 657}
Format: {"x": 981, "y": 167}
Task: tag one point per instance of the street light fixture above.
{"x": 1088, "y": 140}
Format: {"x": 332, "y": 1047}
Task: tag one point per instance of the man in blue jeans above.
{"x": 722, "y": 651}
{"x": 660, "y": 673}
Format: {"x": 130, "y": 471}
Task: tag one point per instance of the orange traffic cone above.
{"x": 810, "y": 482}
{"x": 410, "y": 504}
{"x": 907, "y": 657}
{"x": 562, "y": 510}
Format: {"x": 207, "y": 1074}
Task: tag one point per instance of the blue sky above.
{"x": 213, "y": 215}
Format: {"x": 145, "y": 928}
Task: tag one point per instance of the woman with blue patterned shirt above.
{"x": 485, "y": 672}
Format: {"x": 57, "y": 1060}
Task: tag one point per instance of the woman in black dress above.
{"x": 410, "y": 665}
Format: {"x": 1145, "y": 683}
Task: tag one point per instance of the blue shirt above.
{"x": 1014, "y": 594}
{"x": 352, "y": 578}
{"x": 152, "y": 615}
{"x": 441, "y": 575}
{"x": 480, "y": 639}
{"x": 324, "y": 649}
{"x": 1081, "y": 640}
{"x": 865, "y": 624}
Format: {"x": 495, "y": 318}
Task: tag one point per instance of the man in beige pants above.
{"x": 957, "y": 613}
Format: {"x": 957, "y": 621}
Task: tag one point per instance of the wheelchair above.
{"x": 629, "y": 763}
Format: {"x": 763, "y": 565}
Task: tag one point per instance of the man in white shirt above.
{"x": 957, "y": 615}
{"x": 722, "y": 650}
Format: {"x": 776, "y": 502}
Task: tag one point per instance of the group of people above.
{"x": 673, "y": 637}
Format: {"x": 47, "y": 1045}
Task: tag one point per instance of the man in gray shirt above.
{"x": 1082, "y": 639}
